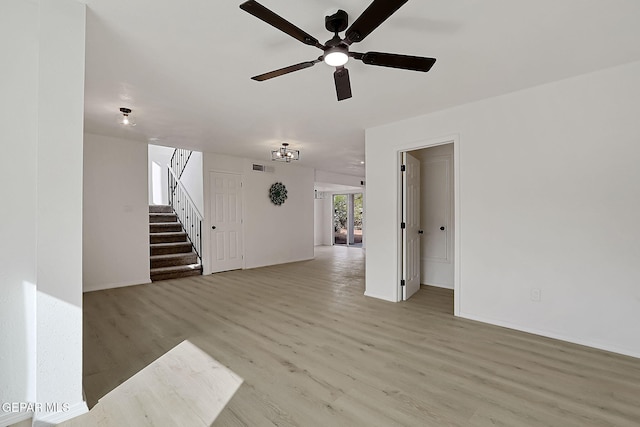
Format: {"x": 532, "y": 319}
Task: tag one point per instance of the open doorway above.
{"x": 428, "y": 220}
{"x": 347, "y": 219}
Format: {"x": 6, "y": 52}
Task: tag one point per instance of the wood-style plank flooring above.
{"x": 313, "y": 351}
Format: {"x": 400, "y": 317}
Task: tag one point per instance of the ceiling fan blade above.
{"x": 394, "y": 60}
{"x": 374, "y": 15}
{"x": 271, "y": 18}
{"x": 285, "y": 70}
{"x": 343, "y": 85}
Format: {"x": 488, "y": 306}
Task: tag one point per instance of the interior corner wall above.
{"x": 116, "y": 213}
{"x": 43, "y": 44}
{"x": 548, "y": 182}
{"x": 272, "y": 234}
{"x": 159, "y": 158}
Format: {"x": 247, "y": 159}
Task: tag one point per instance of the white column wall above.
{"x": 41, "y": 354}
{"x": 19, "y": 143}
{"x": 59, "y": 254}
{"x": 548, "y": 185}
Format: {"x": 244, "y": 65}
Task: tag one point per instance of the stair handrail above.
{"x": 186, "y": 211}
{"x": 179, "y": 160}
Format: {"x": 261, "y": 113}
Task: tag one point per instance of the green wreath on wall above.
{"x": 278, "y": 193}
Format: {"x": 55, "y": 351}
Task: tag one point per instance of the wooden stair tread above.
{"x": 176, "y": 268}
{"x": 171, "y": 256}
{"x": 160, "y": 209}
{"x": 169, "y": 244}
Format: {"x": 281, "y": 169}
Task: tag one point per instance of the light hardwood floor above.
{"x": 313, "y": 351}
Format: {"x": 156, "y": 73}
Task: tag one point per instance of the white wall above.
{"x": 265, "y": 243}
{"x": 41, "y": 246}
{"x": 548, "y": 182}
{"x": 116, "y": 213}
{"x": 159, "y": 158}
{"x": 320, "y": 222}
{"x": 337, "y": 178}
{"x": 192, "y": 180}
{"x": 19, "y": 142}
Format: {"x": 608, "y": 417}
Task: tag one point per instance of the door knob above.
{"x": 213, "y": 227}
{"x": 420, "y": 231}
{"x": 442, "y": 228}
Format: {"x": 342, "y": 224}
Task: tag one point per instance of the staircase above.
{"x": 171, "y": 253}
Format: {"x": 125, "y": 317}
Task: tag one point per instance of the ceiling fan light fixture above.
{"x": 336, "y": 56}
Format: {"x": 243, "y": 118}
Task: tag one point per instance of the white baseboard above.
{"x": 384, "y": 298}
{"x": 102, "y": 287}
{"x": 10, "y": 418}
{"x": 561, "y": 337}
{"x": 250, "y": 267}
{"x": 50, "y": 420}
{"x": 436, "y": 285}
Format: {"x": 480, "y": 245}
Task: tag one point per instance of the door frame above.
{"x": 418, "y": 145}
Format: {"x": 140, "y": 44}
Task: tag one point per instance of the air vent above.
{"x": 257, "y": 167}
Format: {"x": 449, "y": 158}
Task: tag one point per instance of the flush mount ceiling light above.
{"x": 126, "y": 119}
{"x": 285, "y": 154}
{"x": 337, "y": 54}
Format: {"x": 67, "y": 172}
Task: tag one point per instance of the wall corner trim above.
{"x": 381, "y": 297}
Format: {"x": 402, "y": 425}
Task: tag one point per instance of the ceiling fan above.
{"x": 336, "y": 50}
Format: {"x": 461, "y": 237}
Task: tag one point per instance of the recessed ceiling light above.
{"x": 362, "y": 162}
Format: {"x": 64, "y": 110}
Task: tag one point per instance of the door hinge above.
{"x": 403, "y": 225}
{"x": 403, "y": 168}
{"x": 402, "y": 283}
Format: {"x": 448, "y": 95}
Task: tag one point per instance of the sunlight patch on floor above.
{"x": 185, "y": 386}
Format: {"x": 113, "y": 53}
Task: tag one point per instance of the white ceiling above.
{"x": 184, "y": 67}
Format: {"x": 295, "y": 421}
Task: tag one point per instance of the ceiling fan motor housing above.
{"x": 337, "y": 22}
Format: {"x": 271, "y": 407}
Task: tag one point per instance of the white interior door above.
{"x": 437, "y": 219}
{"x": 411, "y": 232}
{"x": 226, "y": 222}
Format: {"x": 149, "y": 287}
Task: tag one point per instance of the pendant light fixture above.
{"x": 125, "y": 118}
{"x": 285, "y": 154}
